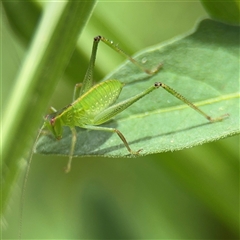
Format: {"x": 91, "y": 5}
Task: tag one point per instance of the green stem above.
{"x": 48, "y": 55}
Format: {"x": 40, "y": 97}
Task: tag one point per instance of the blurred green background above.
{"x": 182, "y": 195}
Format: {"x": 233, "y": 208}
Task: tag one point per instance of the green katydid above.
{"x": 95, "y": 105}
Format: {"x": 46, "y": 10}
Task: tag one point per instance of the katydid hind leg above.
{"x": 88, "y": 79}
{"x": 113, "y": 110}
{"x": 190, "y": 104}
{"x": 116, "y": 48}
{"x": 87, "y": 83}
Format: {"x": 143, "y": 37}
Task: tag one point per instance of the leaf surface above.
{"x": 202, "y": 66}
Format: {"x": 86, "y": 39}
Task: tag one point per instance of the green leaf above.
{"x": 24, "y": 27}
{"x": 203, "y": 67}
{"x": 227, "y": 11}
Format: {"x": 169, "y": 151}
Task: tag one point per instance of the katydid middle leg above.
{"x": 114, "y": 130}
{"x": 73, "y": 144}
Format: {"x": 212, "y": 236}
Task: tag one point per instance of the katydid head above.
{"x": 53, "y": 123}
